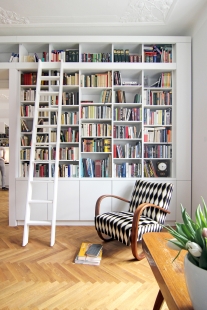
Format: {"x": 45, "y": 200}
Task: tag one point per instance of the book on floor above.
{"x": 85, "y": 262}
{"x": 94, "y": 253}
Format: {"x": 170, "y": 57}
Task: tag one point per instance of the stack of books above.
{"x": 89, "y": 254}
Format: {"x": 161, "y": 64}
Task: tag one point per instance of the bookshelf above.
{"x": 110, "y": 125}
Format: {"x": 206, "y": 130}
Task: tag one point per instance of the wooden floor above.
{"x": 42, "y": 277}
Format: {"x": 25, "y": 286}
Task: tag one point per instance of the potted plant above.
{"x": 192, "y": 236}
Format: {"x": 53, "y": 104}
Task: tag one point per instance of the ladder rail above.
{"x": 55, "y": 189}
{"x": 32, "y": 154}
{"x": 34, "y": 145}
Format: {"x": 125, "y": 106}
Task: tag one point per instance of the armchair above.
{"x": 147, "y": 212}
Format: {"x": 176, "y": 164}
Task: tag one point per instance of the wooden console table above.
{"x": 169, "y": 275}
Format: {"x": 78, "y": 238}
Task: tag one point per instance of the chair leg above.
{"x": 135, "y": 250}
{"x": 104, "y": 238}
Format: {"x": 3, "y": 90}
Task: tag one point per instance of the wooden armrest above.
{"x": 141, "y": 208}
{"x": 98, "y": 202}
{"x": 135, "y": 224}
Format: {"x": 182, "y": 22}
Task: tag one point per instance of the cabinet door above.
{"x": 67, "y": 200}
{"x": 89, "y": 193}
{"x": 38, "y": 211}
{"x": 122, "y": 188}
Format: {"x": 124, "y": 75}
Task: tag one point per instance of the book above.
{"x": 82, "y": 256}
{"x": 84, "y": 262}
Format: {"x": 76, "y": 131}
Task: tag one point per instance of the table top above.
{"x": 169, "y": 275}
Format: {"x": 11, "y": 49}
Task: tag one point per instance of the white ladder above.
{"x": 34, "y": 144}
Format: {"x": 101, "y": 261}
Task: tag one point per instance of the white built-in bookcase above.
{"x": 77, "y": 194}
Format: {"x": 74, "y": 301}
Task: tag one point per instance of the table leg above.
{"x": 159, "y": 301}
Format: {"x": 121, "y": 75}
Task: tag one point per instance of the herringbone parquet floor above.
{"x": 42, "y": 277}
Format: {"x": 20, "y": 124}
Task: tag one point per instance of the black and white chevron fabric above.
{"x": 118, "y": 225}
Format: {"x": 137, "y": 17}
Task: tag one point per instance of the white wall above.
{"x": 199, "y": 112}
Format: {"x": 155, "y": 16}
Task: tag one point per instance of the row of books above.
{"x": 67, "y": 135}
{"x": 127, "y": 170}
{"x": 42, "y": 170}
{"x": 158, "y": 53}
{"x": 154, "y": 97}
{"x": 71, "y": 79}
{"x": 30, "y": 78}
{"x": 127, "y": 114}
{"x": 25, "y": 154}
{"x": 41, "y": 154}
{"x": 28, "y": 95}
{"x": 27, "y": 110}
{"x": 126, "y": 132}
{"x": 70, "y": 118}
{"x": 127, "y": 150}
{"x": 105, "y": 97}
{"x": 99, "y": 168}
{"x": 158, "y": 151}
{"x": 95, "y": 130}
{"x": 14, "y": 57}
{"x": 121, "y": 55}
{"x": 96, "y": 112}
{"x": 157, "y": 134}
{"x": 120, "y": 97}
{"x": 66, "y": 170}
{"x": 118, "y": 80}
{"x": 25, "y": 140}
{"x": 96, "y": 145}
{"x": 96, "y": 57}
{"x": 67, "y": 55}
{"x": 158, "y": 117}
{"x": 103, "y": 79}
{"x": 66, "y": 153}
{"x": 149, "y": 169}
{"x": 24, "y": 126}
{"x": 89, "y": 253}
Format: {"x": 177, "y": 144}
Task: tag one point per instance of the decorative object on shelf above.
{"x": 162, "y": 169}
{"x": 192, "y": 236}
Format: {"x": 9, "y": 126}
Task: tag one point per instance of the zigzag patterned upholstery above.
{"x": 118, "y": 225}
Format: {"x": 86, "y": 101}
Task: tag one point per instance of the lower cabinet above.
{"x": 38, "y": 211}
{"x": 90, "y": 191}
{"x": 67, "y": 200}
{"x": 77, "y": 199}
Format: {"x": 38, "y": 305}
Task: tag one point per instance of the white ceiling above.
{"x": 99, "y": 17}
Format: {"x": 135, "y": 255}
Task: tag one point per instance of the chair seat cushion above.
{"x": 118, "y": 225}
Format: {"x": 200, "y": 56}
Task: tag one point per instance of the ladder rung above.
{"x": 41, "y": 180}
{"x": 46, "y": 126}
{"x": 40, "y": 201}
{"x": 50, "y": 77}
{"x": 48, "y": 109}
{"x": 50, "y": 93}
{"x": 45, "y": 144}
{"x": 39, "y": 223}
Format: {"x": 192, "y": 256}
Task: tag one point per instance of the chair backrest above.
{"x": 152, "y": 192}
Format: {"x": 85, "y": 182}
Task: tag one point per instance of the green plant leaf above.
{"x": 187, "y": 221}
{"x": 176, "y": 256}
{"x": 204, "y": 210}
{"x": 181, "y": 238}
{"x": 203, "y": 259}
{"x": 197, "y": 216}
{"x": 186, "y": 232}
{"x": 176, "y": 242}
{"x": 194, "y": 260}
{"x": 199, "y": 239}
